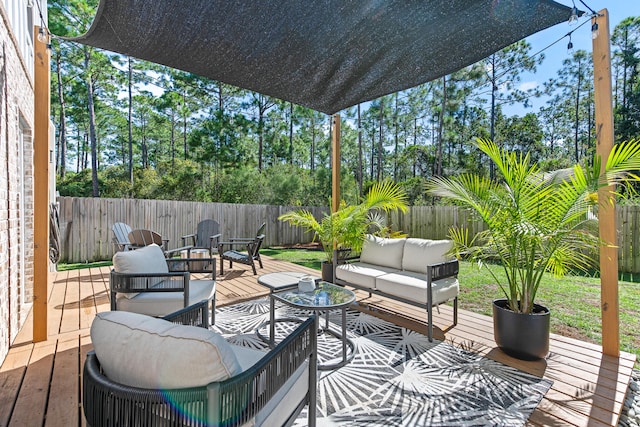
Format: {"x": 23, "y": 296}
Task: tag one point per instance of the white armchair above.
{"x": 142, "y": 282}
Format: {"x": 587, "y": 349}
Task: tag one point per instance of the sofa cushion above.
{"x": 163, "y": 303}
{"x": 413, "y": 287}
{"x": 142, "y": 351}
{"x": 383, "y": 252}
{"x": 149, "y": 259}
{"x": 361, "y": 274}
{"x": 419, "y": 253}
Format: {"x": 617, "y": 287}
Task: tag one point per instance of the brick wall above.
{"x": 16, "y": 188}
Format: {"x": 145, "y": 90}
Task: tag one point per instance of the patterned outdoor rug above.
{"x": 397, "y": 377}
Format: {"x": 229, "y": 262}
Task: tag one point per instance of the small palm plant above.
{"x": 348, "y": 226}
{"x": 535, "y": 222}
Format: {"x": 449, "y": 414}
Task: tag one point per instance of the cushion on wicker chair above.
{"x": 161, "y": 303}
{"x": 149, "y": 259}
{"x": 142, "y": 351}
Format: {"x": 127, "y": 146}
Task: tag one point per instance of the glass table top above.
{"x": 325, "y": 296}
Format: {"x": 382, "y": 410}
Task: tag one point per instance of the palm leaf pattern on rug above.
{"x": 397, "y": 377}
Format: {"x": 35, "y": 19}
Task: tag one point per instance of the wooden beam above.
{"x": 607, "y": 208}
{"x": 335, "y": 163}
{"x": 41, "y": 155}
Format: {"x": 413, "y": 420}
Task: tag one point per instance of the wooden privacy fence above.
{"x": 85, "y": 224}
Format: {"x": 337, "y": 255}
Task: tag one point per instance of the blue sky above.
{"x": 581, "y": 38}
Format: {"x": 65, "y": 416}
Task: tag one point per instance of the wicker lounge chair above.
{"x": 144, "y": 281}
{"x": 158, "y": 374}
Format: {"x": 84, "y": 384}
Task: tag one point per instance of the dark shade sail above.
{"x": 324, "y": 54}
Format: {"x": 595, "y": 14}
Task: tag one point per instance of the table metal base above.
{"x": 348, "y": 347}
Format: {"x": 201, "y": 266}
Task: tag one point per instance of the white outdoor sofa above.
{"x": 414, "y": 271}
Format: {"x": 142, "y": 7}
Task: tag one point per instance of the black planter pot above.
{"x": 327, "y": 271}
{"x": 524, "y": 336}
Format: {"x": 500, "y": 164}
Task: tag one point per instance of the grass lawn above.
{"x": 574, "y": 301}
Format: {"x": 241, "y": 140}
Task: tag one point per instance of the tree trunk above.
{"x": 184, "y": 125}
{"x": 173, "y": 139}
{"x": 577, "y": 120}
{"x": 130, "y": 159}
{"x": 62, "y": 128}
{"x": 260, "y": 137}
{"x": 291, "y": 133}
{"x": 438, "y": 168}
{"x": 145, "y": 149}
{"x": 92, "y": 125}
{"x": 492, "y": 133}
{"x": 415, "y": 143}
{"x": 380, "y": 144}
{"x": 360, "y": 171}
{"x": 395, "y": 141}
{"x": 312, "y": 163}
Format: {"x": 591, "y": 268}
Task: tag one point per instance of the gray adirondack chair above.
{"x": 121, "y": 236}
{"x": 206, "y": 236}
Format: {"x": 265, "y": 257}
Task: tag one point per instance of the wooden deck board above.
{"x": 41, "y": 383}
{"x": 64, "y": 408}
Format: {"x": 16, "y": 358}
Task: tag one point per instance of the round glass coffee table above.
{"x": 325, "y": 298}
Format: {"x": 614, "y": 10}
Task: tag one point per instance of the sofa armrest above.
{"x": 442, "y": 270}
{"x": 241, "y": 397}
{"x": 195, "y": 315}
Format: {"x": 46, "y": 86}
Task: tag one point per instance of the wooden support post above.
{"x": 607, "y": 208}
{"x": 41, "y": 153}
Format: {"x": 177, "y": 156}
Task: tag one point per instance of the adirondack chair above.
{"x": 140, "y": 238}
{"x": 121, "y": 240}
{"x": 206, "y": 236}
{"x": 260, "y": 231}
{"x": 249, "y": 257}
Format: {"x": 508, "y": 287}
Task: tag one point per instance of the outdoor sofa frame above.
{"x": 434, "y": 272}
{"x": 236, "y": 400}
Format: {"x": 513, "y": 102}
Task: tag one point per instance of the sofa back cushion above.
{"x": 383, "y": 252}
{"x": 419, "y": 253}
{"x": 142, "y": 351}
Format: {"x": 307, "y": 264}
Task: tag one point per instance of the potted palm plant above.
{"x": 535, "y": 223}
{"x": 349, "y": 225}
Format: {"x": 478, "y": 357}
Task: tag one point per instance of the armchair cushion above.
{"x": 383, "y": 252}
{"x": 419, "y": 253}
{"x": 148, "y": 259}
{"x": 161, "y": 303}
{"x": 146, "y": 352}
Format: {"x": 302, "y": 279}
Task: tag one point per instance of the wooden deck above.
{"x": 40, "y": 383}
